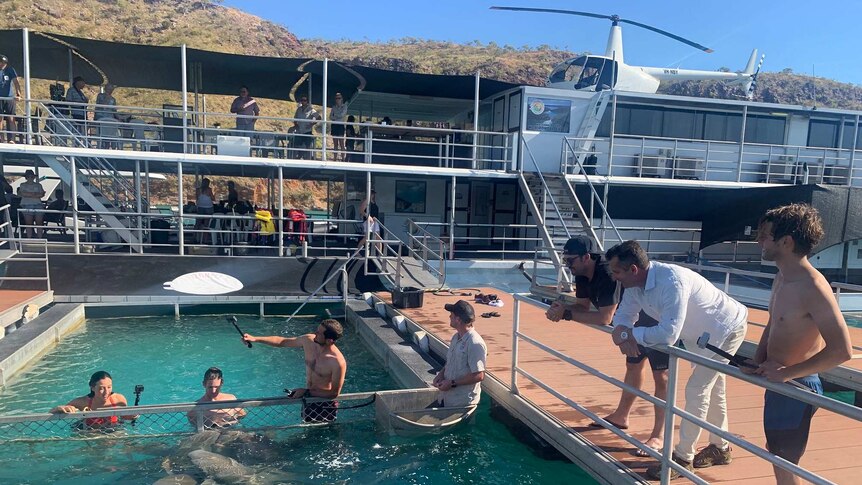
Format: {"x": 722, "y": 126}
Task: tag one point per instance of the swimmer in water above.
{"x": 101, "y": 396}
{"x": 216, "y": 418}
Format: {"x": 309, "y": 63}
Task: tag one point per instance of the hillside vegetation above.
{"x": 209, "y": 25}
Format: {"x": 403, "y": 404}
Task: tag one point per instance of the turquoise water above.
{"x": 169, "y": 357}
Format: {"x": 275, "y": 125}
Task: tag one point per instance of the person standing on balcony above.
{"x": 337, "y": 115}
{"x": 78, "y": 111}
{"x": 31, "y": 193}
{"x": 10, "y": 91}
{"x": 806, "y": 332}
{"x": 594, "y": 285}
{"x": 247, "y": 110}
{"x": 686, "y": 305}
{"x": 305, "y": 119}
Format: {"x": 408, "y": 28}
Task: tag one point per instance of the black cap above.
{"x": 77, "y": 78}
{"x": 579, "y": 246}
{"x": 3, "y": 58}
{"x": 462, "y": 309}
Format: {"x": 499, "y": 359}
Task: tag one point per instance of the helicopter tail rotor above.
{"x": 750, "y": 84}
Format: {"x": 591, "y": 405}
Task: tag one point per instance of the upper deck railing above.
{"x": 659, "y": 158}
{"x": 173, "y": 130}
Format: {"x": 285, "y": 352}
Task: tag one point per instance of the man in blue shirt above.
{"x": 8, "y": 80}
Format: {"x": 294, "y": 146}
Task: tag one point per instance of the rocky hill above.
{"x": 209, "y": 25}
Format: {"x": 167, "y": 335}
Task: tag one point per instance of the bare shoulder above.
{"x": 817, "y": 288}
{"x": 223, "y": 396}
{"x": 118, "y": 398}
{"x": 80, "y": 402}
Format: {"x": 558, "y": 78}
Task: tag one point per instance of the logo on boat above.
{"x": 537, "y": 107}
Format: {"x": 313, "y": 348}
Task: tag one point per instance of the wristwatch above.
{"x": 624, "y": 335}
{"x": 452, "y": 383}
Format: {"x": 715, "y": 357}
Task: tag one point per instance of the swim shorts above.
{"x": 319, "y": 412}
{"x": 787, "y": 421}
{"x": 658, "y": 360}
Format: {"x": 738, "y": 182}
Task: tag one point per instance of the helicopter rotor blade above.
{"x": 554, "y": 10}
{"x": 668, "y": 34}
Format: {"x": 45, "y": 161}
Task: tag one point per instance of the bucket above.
{"x": 408, "y": 297}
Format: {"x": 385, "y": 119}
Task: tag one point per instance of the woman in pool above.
{"x": 101, "y": 396}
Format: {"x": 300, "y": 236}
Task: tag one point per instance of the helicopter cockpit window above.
{"x": 591, "y": 72}
{"x": 568, "y": 71}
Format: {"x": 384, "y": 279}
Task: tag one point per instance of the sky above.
{"x": 804, "y": 36}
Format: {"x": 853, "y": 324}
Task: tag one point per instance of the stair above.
{"x": 94, "y": 197}
{"x": 571, "y": 219}
{"x": 580, "y": 147}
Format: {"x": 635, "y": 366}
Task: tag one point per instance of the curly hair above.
{"x": 799, "y": 221}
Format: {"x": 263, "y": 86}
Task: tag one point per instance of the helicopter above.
{"x": 599, "y": 73}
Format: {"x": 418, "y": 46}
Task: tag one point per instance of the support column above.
{"x": 185, "y": 99}
{"x": 180, "y": 232}
{"x": 76, "y": 237}
{"x": 324, "y": 102}
{"x": 280, "y": 211}
{"x": 475, "y": 124}
{"x": 452, "y": 220}
{"x": 138, "y": 205}
{"x": 28, "y": 108}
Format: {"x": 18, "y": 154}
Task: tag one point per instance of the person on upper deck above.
{"x": 337, "y": 115}
{"x": 216, "y": 418}
{"x": 594, "y": 285}
{"x": 246, "y": 109}
{"x": 325, "y": 368}
{"x": 205, "y": 206}
{"x": 686, "y": 305}
{"x": 10, "y": 89}
{"x": 306, "y": 117}
{"x": 460, "y": 379}
{"x": 101, "y": 396}
{"x": 106, "y": 104}
{"x": 76, "y": 94}
{"x": 806, "y": 332}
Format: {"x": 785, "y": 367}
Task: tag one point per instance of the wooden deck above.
{"x": 12, "y": 303}
{"x": 834, "y": 444}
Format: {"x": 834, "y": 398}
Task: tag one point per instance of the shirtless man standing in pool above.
{"x": 806, "y": 333}
{"x": 325, "y": 368}
{"x": 216, "y": 418}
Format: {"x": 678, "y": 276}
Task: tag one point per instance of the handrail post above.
{"x": 281, "y": 210}
{"x": 516, "y": 327}
{"x": 76, "y": 237}
{"x": 727, "y": 283}
{"x": 741, "y": 144}
{"x": 180, "y": 231}
{"x": 669, "y": 408}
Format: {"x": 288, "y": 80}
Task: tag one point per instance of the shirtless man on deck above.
{"x": 325, "y": 368}
{"x": 806, "y": 332}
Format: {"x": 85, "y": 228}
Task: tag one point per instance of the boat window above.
{"x": 849, "y": 131}
{"x": 768, "y": 130}
{"x": 822, "y": 133}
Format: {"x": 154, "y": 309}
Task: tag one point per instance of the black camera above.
{"x": 139, "y": 388}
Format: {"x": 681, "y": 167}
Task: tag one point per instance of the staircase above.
{"x": 581, "y": 146}
{"x": 86, "y": 170}
{"x": 563, "y": 214}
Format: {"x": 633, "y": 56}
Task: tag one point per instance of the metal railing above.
{"x": 18, "y": 250}
{"x": 153, "y": 129}
{"x": 671, "y": 410}
{"x": 183, "y": 418}
{"x": 723, "y": 161}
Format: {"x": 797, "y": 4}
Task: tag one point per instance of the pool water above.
{"x": 169, "y": 357}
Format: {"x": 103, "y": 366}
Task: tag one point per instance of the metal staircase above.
{"x": 562, "y": 212}
{"x": 584, "y": 140}
{"x": 98, "y": 183}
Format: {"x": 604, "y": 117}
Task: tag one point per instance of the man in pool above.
{"x": 460, "y": 380}
{"x": 325, "y": 368}
{"x": 806, "y": 332}
{"x": 216, "y": 418}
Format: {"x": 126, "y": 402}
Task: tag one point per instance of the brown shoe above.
{"x": 712, "y": 455}
{"x": 654, "y": 472}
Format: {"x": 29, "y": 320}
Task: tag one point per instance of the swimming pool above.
{"x": 169, "y": 357}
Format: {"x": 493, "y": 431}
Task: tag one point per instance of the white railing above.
{"x": 722, "y": 161}
{"x": 151, "y": 129}
{"x": 671, "y": 410}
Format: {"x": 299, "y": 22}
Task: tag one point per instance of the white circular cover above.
{"x": 204, "y": 283}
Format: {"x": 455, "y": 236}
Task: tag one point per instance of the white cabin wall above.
{"x": 435, "y": 203}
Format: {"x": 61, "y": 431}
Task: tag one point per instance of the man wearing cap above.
{"x": 8, "y": 81}
{"x": 594, "y": 285}
{"x": 460, "y": 380}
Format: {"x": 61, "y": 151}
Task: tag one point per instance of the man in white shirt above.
{"x": 460, "y": 380}
{"x": 686, "y": 305}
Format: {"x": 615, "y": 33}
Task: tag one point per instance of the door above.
{"x": 481, "y": 204}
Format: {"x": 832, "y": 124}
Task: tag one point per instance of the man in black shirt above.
{"x": 593, "y": 285}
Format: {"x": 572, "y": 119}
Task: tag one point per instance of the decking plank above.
{"x": 833, "y": 438}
